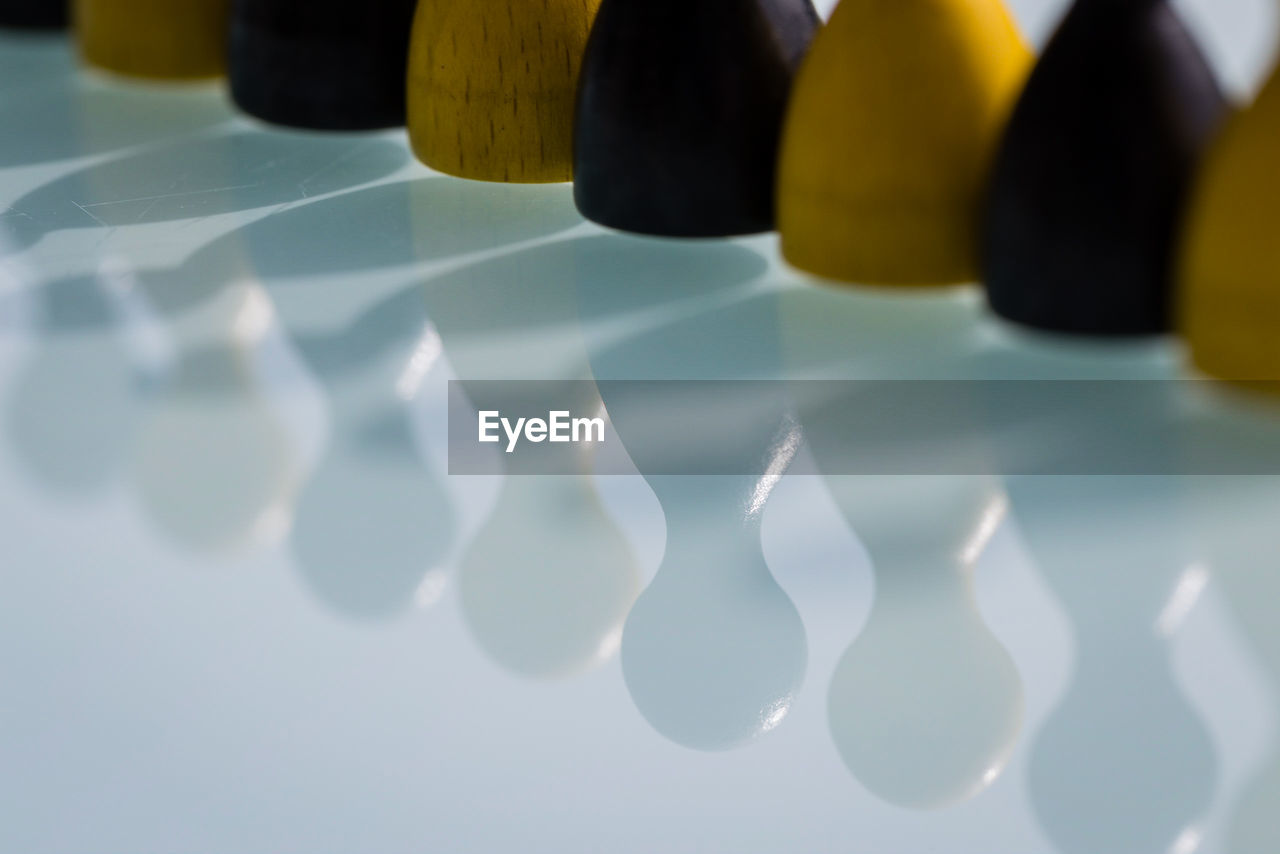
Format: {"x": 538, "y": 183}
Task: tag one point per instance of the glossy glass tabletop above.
{"x": 245, "y": 607}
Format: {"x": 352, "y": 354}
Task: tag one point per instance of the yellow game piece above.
{"x": 167, "y": 39}
{"x": 492, "y": 86}
{"x": 894, "y": 121}
{"x": 1229, "y": 271}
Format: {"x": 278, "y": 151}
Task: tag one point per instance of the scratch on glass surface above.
{"x": 344, "y": 156}
{"x": 84, "y": 209}
{"x": 159, "y": 196}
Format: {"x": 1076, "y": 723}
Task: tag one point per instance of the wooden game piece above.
{"x": 894, "y": 121}
{"x": 1087, "y": 189}
{"x": 33, "y": 14}
{"x": 154, "y": 38}
{"x": 328, "y": 65}
{"x": 1229, "y": 272}
{"x": 492, "y": 87}
{"x": 667, "y": 139}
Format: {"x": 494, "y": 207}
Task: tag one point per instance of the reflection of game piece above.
{"x": 714, "y": 652}
{"x": 398, "y": 525}
{"x": 82, "y": 346}
{"x": 215, "y": 466}
{"x": 1124, "y": 763}
{"x": 1238, "y": 516}
{"x": 375, "y": 523}
{"x": 1232, "y": 445}
{"x": 926, "y": 705}
{"x": 548, "y": 581}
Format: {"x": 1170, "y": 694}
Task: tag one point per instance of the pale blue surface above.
{"x": 242, "y": 609}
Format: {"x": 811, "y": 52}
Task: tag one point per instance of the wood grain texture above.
{"x": 167, "y": 39}
{"x": 895, "y": 118}
{"x": 1228, "y": 303}
{"x": 492, "y": 86}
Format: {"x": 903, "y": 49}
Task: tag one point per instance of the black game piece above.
{"x": 34, "y": 14}
{"x": 1088, "y": 187}
{"x": 680, "y": 112}
{"x": 324, "y": 64}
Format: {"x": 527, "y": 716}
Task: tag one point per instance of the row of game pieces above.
{"x": 1095, "y": 193}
